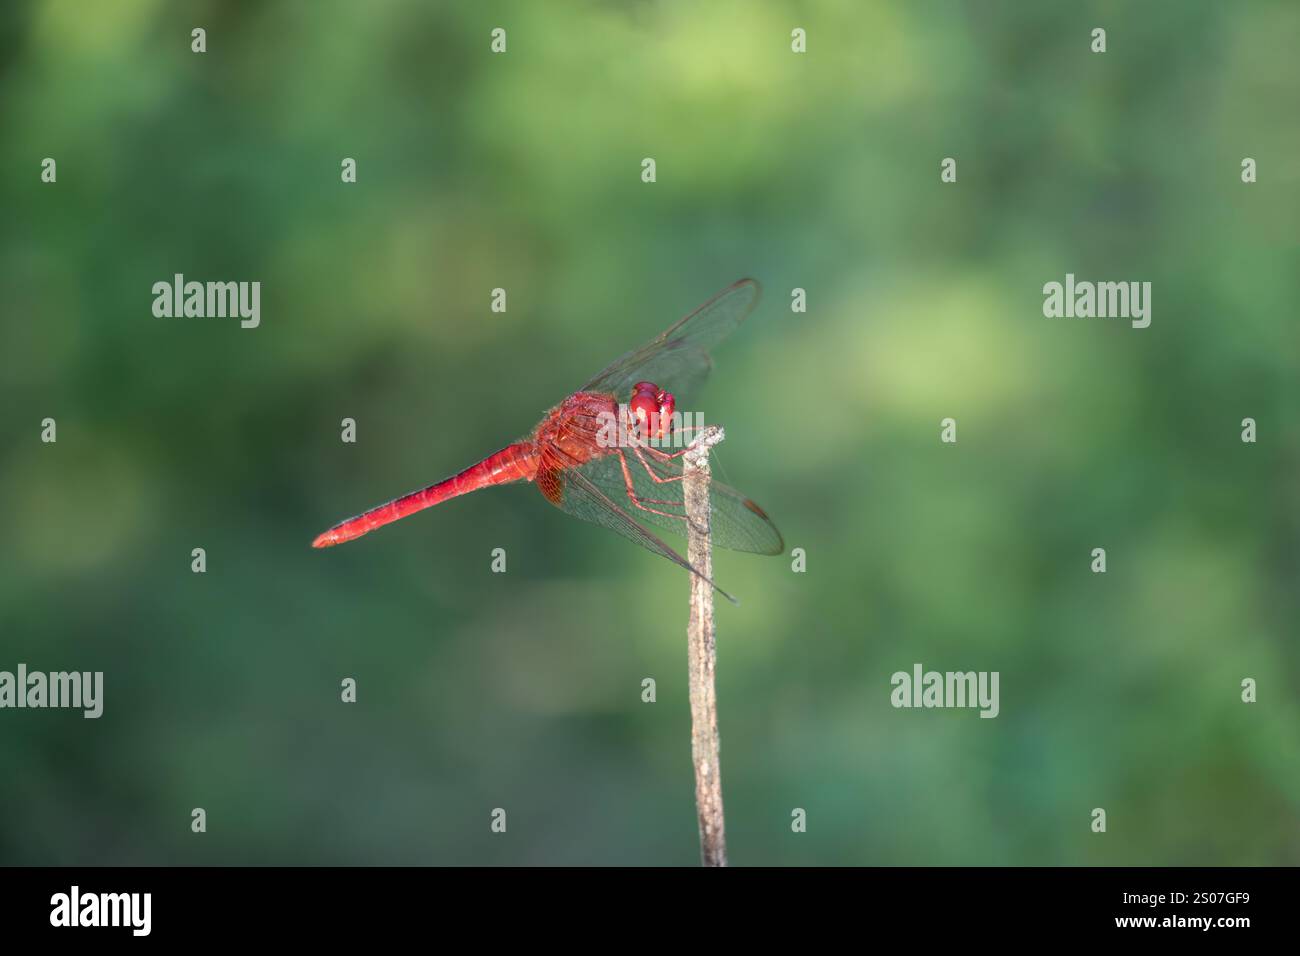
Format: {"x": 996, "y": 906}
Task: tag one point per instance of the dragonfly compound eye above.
{"x": 644, "y": 408}
{"x": 667, "y": 405}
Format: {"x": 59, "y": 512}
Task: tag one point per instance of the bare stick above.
{"x": 702, "y": 650}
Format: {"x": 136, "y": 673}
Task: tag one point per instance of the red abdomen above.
{"x": 517, "y": 462}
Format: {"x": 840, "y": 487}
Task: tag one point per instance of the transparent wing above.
{"x": 678, "y": 358}
{"x": 578, "y": 496}
{"x": 736, "y": 521}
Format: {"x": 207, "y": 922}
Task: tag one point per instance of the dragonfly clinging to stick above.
{"x": 621, "y": 478}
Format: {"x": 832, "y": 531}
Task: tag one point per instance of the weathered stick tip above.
{"x": 697, "y": 452}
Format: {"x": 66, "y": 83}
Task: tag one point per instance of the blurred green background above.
{"x": 522, "y": 691}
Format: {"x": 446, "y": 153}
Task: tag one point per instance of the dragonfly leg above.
{"x": 644, "y": 502}
{"x": 693, "y": 428}
{"x": 640, "y": 502}
{"x": 659, "y": 454}
{"x": 654, "y": 475}
{"x": 665, "y": 456}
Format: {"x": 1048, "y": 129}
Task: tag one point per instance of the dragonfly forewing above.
{"x": 678, "y": 358}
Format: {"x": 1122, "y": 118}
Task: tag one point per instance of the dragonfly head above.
{"x": 652, "y": 409}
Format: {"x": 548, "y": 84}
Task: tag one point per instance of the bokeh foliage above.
{"x": 522, "y": 690}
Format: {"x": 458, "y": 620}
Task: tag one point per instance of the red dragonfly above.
{"x": 621, "y": 484}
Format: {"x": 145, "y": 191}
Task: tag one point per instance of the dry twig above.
{"x": 702, "y": 650}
